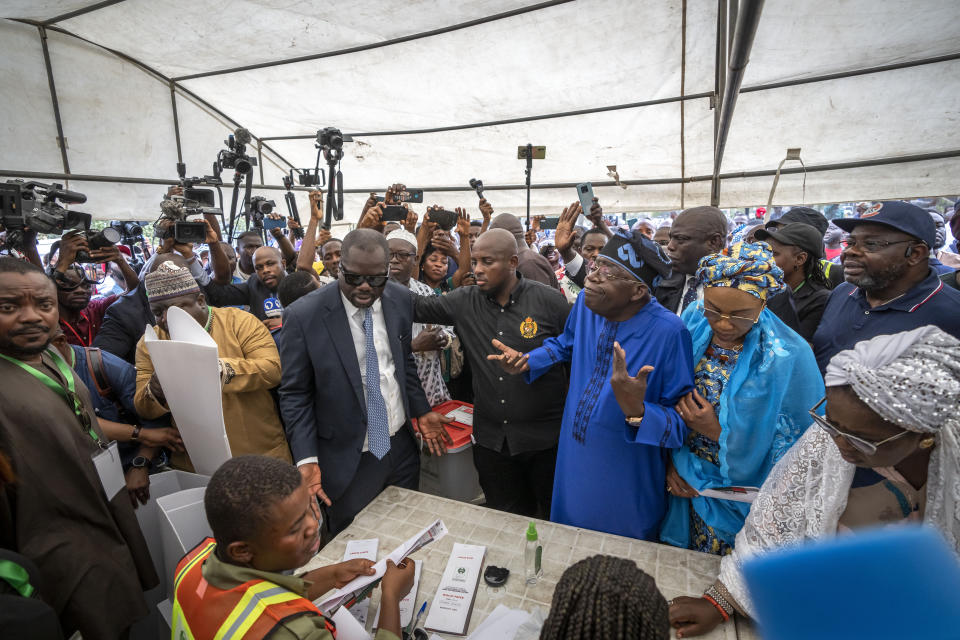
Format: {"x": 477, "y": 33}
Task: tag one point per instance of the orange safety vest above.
{"x": 250, "y": 610}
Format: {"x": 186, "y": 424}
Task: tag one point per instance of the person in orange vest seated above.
{"x": 263, "y": 524}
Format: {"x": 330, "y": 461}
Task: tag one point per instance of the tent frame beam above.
{"x": 748, "y": 19}
{"x": 61, "y": 140}
{"x": 377, "y": 45}
{"x": 763, "y": 173}
{"x": 82, "y": 11}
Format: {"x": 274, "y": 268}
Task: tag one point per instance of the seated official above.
{"x": 885, "y": 453}
{"x": 249, "y": 366}
{"x": 264, "y": 526}
{"x": 606, "y": 597}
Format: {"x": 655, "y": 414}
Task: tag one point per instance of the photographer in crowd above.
{"x": 80, "y": 316}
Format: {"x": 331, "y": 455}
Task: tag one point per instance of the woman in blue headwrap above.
{"x": 755, "y": 380}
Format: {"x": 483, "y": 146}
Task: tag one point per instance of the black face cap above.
{"x": 803, "y": 215}
{"x": 796, "y": 234}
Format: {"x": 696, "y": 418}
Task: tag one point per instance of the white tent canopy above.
{"x": 869, "y": 90}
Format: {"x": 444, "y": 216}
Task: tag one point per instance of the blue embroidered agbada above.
{"x": 610, "y": 477}
{"x": 763, "y": 410}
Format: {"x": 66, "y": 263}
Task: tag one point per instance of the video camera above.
{"x": 234, "y": 156}
{"x": 194, "y": 201}
{"x": 259, "y": 209}
{"x": 33, "y": 206}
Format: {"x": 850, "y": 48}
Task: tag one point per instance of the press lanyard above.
{"x": 69, "y": 394}
{"x": 77, "y": 333}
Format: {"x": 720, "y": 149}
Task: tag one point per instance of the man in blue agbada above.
{"x": 755, "y": 378}
{"x": 611, "y": 462}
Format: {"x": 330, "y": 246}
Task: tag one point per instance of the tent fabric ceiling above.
{"x": 544, "y": 59}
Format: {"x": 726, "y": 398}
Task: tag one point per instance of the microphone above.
{"x": 242, "y": 136}
{"x": 65, "y": 195}
{"x": 272, "y": 308}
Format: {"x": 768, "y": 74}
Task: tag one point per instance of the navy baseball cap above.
{"x": 899, "y": 215}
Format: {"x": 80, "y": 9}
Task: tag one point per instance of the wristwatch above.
{"x": 135, "y": 436}
{"x": 141, "y": 462}
{"x": 633, "y": 421}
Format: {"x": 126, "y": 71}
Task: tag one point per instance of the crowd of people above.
{"x": 615, "y": 373}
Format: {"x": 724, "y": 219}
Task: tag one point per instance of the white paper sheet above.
{"x": 453, "y": 602}
{"x": 367, "y": 550}
{"x": 409, "y": 604}
{"x": 341, "y": 596}
{"x": 501, "y": 624}
{"x": 348, "y": 627}
{"x": 734, "y": 494}
{"x": 187, "y": 368}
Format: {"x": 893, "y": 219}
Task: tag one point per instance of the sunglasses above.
{"x": 355, "y": 279}
{"x": 861, "y": 445}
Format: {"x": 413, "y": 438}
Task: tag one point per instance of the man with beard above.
{"x": 270, "y": 267}
{"x": 616, "y": 424}
{"x": 890, "y": 285}
{"x": 92, "y": 558}
{"x": 81, "y": 317}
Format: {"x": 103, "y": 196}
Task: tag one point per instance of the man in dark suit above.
{"x": 696, "y": 233}
{"x": 350, "y": 384}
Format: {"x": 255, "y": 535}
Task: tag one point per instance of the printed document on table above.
{"x": 357, "y": 587}
{"x": 453, "y": 602}
{"x": 186, "y": 366}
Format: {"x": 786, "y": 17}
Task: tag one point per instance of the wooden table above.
{"x": 397, "y": 514}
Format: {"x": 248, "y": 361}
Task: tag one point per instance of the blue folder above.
{"x": 895, "y": 582}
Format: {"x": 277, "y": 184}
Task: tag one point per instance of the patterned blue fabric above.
{"x": 378, "y": 431}
{"x": 762, "y": 412}
{"x": 710, "y": 377}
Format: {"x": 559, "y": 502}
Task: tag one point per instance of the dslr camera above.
{"x": 330, "y": 138}
{"x": 34, "y": 206}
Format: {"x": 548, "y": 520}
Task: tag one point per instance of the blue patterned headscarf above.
{"x": 744, "y": 266}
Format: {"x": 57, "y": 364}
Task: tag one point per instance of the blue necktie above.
{"x": 378, "y": 431}
{"x": 691, "y": 294}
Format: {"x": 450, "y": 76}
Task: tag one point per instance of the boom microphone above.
{"x": 242, "y": 136}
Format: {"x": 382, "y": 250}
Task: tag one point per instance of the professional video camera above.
{"x": 234, "y": 156}
{"x": 33, "y": 206}
{"x": 175, "y": 209}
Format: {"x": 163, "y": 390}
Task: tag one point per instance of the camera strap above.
{"x": 68, "y": 393}
{"x": 74, "y": 331}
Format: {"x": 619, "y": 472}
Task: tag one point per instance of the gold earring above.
{"x": 926, "y": 443}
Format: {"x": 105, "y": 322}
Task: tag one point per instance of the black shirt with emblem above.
{"x": 526, "y": 417}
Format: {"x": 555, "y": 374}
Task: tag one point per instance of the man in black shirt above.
{"x": 516, "y": 426}
{"x": 270, "y": 269}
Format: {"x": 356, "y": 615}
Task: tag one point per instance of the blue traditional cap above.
{"x": 639, "y": 255}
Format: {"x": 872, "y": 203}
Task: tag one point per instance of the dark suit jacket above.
{"x": 782, "y": 305}
{"x": 321, "y": 393}
{"x": 124, "y": 324}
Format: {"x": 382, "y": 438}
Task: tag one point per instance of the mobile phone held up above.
{"x": 271, "y": 223}
{"x": 446, "y": 220}
{"x": 585, "y": 194}
{"x": 410, "y": 195}
{"x": 394, "y": 213}
{"x": 549, "y": 223}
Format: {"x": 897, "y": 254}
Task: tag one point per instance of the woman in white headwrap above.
{"x": 888, "y": 451}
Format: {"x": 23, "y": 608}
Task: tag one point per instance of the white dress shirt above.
{"x": 389, "y": 387}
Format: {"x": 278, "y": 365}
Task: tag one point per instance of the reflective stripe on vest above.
{"x": 250, "y": 610}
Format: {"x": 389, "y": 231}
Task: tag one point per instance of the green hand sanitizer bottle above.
{"x": 532, "y": 555}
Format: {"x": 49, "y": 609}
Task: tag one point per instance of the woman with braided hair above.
{"x": 886, "y": 452}
{"x": 606, "y": 597}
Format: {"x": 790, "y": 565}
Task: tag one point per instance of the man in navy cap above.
{"x": 631, "y": 361}
{"x": 890, "y": 286}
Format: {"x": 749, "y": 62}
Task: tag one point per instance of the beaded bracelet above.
{"x": 726, "y": 616}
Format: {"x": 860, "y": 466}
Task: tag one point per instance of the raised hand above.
{"x": 565, "y": 235}
{"x": 510, "y": 360}
{"x": 486, "y": 209}
{"x": 628, "y": 390}
{"x": 463, "y": 222}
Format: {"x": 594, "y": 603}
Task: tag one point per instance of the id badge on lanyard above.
{"x": 110, "y": 470}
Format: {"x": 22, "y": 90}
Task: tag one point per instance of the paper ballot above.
{"x": 409, "y": 602}
{"x": 186, "y": 366}
{"x": 361, "y": 585}
{"x": 367, "y": 550}
{"x": 503, "y": 622}
{"x": 348, "y": 627}
{"x": 453, "y": 602}
{"x": 736, "y": 494}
